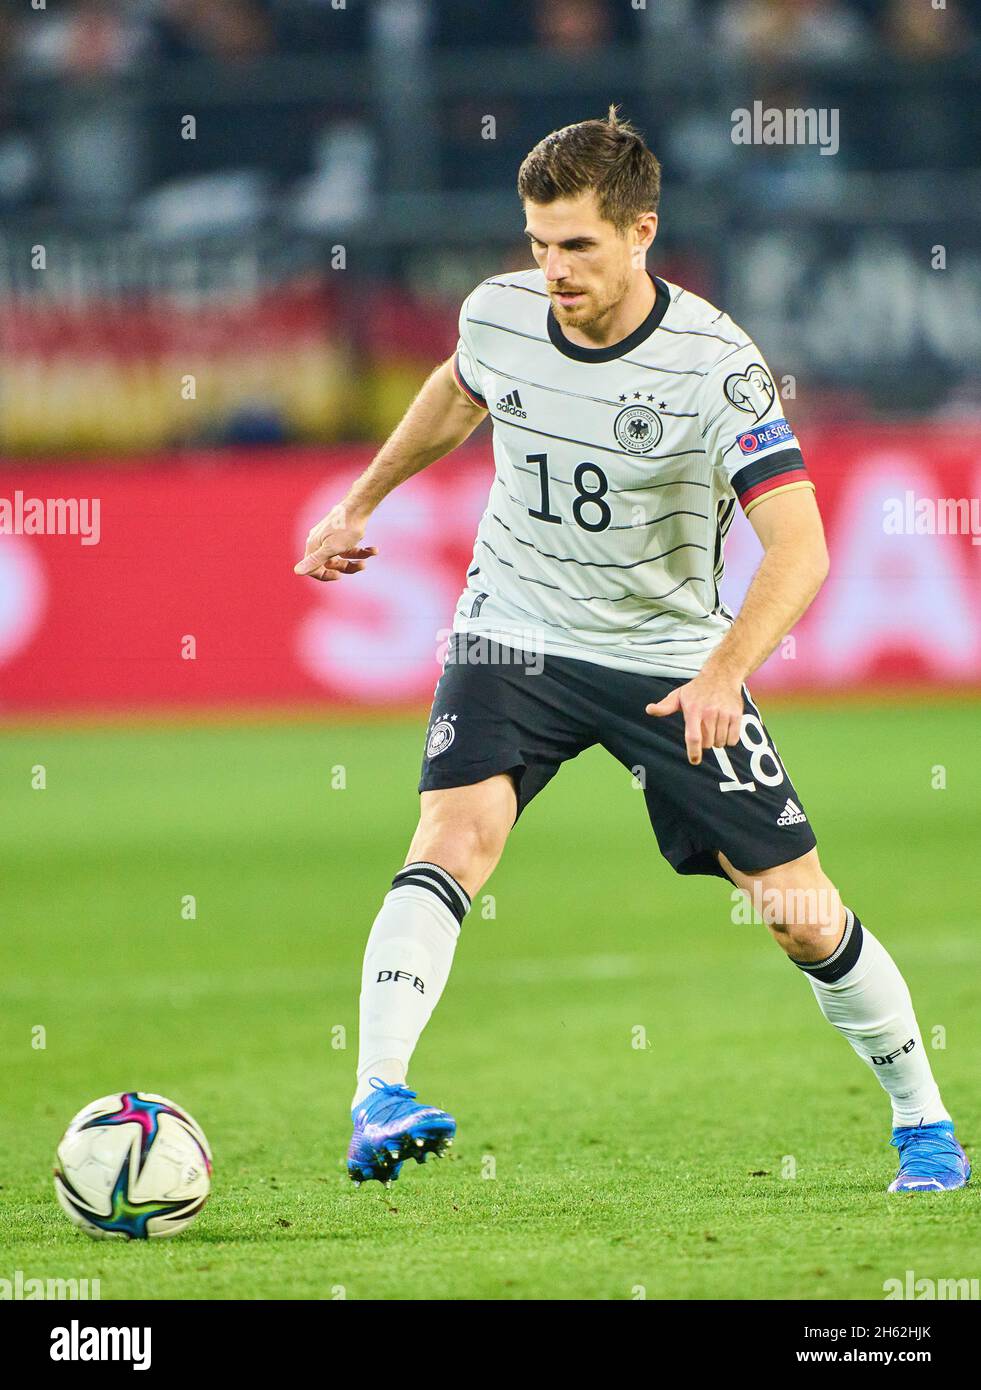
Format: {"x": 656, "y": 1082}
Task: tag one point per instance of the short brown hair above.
{"x": 607, "y": 156}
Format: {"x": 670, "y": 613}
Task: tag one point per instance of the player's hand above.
{"x": 334, "y": 548}
{"x": 713, "y": 710}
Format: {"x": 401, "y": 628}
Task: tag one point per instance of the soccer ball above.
{"x": 133, "y": 1165}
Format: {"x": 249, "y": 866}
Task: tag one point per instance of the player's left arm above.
{"x": 793, "y": 568}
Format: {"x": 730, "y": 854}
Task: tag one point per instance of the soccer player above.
{"x": 629, "y": 419}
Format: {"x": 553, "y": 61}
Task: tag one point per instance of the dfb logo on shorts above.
{"x": 441, "y": 735}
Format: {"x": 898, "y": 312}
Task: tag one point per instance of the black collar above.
{"x": 620, "y": 349}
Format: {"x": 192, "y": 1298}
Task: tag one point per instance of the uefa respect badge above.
{"x": 776, "y": 434}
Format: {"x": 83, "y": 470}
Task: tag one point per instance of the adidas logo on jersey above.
{"x": 791, "y": 814}
{"x": 511, "y": 405}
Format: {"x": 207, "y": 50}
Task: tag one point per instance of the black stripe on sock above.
{"x": 440, "y": 883}
{"x": 842, "y": 959}
{"x": 444, "y": 877}
{"x": 406, "y": 880}
{"x": 446, "y": 896}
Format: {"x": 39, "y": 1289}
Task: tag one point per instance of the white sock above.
{"x": 406, "y": 965}
{"x": 860, "y": 990}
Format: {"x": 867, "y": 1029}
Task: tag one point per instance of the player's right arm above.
{"x": 440, "y": 418}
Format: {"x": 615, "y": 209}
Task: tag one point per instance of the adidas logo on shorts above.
{"x": 791, "y": 814}
{"x": 511, "y": 405}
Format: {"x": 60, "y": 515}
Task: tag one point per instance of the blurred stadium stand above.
{"x": 304, "y": 255}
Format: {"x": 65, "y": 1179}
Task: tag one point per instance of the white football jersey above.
{"x": 617, "y": 472}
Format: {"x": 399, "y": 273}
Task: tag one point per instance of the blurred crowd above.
{"x": 80, "y": 38}
{"x": 102, "y": 154}
{"x": 189, "y": 166}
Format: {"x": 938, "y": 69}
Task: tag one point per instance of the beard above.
{"x": 593, "y": 309}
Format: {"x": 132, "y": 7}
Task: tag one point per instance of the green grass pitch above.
{"x": 742, "y": 1153}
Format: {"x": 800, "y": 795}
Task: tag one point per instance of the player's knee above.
{"x": 799, "y": 904}
{"x": 466, "y": 839}
{"x": 463, "y": 834}
{"x": 466, "y": 849}
{"x": 812, "y": 939}
{"x": 808, "y": 915}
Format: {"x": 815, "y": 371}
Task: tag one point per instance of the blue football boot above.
{"x": 389, "y": 1128}
{"x": 930, "y": 1159}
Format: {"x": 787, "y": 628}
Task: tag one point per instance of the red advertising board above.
{"x": 175, "y": 584}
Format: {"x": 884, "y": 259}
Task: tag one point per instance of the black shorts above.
{"x": 499, "y": 710}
